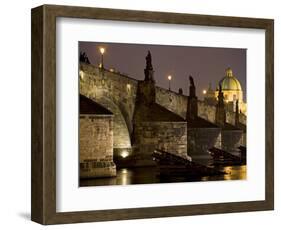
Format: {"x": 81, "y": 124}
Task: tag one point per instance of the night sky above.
{"x": 205, "y": 65}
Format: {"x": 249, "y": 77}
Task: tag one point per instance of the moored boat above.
{"x": 173, "y": 165}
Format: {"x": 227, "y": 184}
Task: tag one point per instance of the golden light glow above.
{"x": 169, "y": 77}
{"x": 111, "y": 70}
{"x": 124, "y": 177}
{"x": 235, "y": 172}
{"x": 124, "y": 153}
{"x": 124, "y": 171}
{"x": 100, "y": 65}
{"x": 81, "y": 74}
{"x": 204, "y": 91}
{"x": 102, "y": 50}
{"x": 128, "y": 87}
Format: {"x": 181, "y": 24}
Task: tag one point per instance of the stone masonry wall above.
{"x": 231, "y": 140}
{"x": 117, "y": 93}
{"x": 199, "y": 140}
{"x": 177, "y": 103}
{"x": 96, "y": 146}
{"x": 167, "y": 136}
{"x": 172, "y": 101}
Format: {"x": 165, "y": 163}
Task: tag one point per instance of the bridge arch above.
{"x": 121, "y": 134}
{"x": 114, "y": 89}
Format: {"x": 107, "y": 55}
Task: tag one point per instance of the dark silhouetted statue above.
{"x": 84, "y": 58}
{"x": 237, "y": 113}
{"x": 180, "y": 91}
{"x": 148, "y": 71}
{"x": 220, "y": 109}
{"x": 220, "y": 96}
{"x": 192, "y": 89}
{"x": 192, "y": 106}
{"x": 148, "y": 61}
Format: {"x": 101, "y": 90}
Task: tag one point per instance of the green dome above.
{"x": 230, "y": 82}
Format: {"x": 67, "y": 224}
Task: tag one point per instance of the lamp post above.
{"x": 102, "y": 50}
{"x": 169, "y": 78}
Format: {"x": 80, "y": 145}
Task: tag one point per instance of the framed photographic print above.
{"x": 141, "y": 114}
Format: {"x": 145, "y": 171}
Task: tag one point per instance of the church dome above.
{"x": 230, "y": 82}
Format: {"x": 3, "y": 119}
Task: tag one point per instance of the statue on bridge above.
{"x": 148, "y": 61}
{"x": 192, "y": 106}
{"x": 220, "y": 97}
{"x": 84, "y": 58}
{"x": 148, "y": 71}
{"x": 220, "y": 118}
{"x": 192, "y": 88}
{"x": 237, "y": 113}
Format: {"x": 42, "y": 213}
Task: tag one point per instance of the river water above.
{"x": 150, "y": 175}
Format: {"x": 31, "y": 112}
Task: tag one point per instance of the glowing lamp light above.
{"x": 124, "y": 154}
{"x": 204, "y": 91}
{"x": 102, "y": 50}
{"x": 169, "y": 78}
{"x": 124, "y": 171}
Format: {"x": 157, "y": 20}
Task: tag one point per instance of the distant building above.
{"x": 210, "y": 96}
{"x": 232, "y": 92}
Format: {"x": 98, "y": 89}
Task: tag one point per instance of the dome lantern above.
{"x": 230, "y": 82}
{"x": 228, "y": 72}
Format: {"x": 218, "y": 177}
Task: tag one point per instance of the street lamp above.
{"x": 204, "y": 91}
{"x": 102, "y": 50}
{"x": 169, "y": 78}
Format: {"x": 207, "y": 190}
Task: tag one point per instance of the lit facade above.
{"x": 232, "y": 91}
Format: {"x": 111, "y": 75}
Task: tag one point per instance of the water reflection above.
{"x": 232, "y": 173}
{"x": 125, "y": 176}
{"x": 150, "y": 175}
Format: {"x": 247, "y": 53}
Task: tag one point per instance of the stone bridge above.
{"x": 117, "y": 92}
